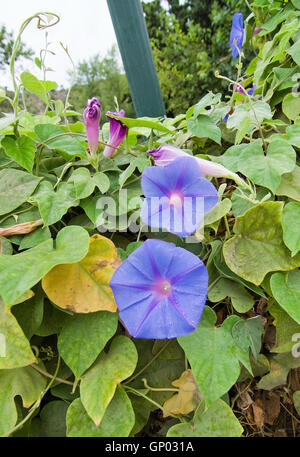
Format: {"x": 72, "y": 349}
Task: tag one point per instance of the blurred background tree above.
{"x": 190, "y": 40}
{"x": 6, "y": 45}
{"x": 103, "y": 78}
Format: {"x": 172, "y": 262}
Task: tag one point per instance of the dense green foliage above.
{"x": 67, "y": 364}
{"x": 189, "y": 42}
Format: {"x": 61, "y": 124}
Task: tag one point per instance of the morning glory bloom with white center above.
{"x": 177, "y": 196}
{"x": 160, "y": 290}
{"x": 236, "y": 34}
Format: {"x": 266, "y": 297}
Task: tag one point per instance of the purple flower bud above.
{"x": 91, "y": 116}
{"x": 166, "y": 153}
{"x": 257, "y": 30}
{"x": 236, "y": 34}
{"x": 117, "y": 131}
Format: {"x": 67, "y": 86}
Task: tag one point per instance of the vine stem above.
{"x": 158, "y": 406}
{"x": 15, "y": 214}
{"x": 235, "y": 83}
{"x": 249, "y": 6}
{"x": 71, "y": 83}
{"x": 148, "y": 364}
{"x": 213, "y": 283}
{"x": 227, "y": 226}
{"x": 36, "y": 404}
{"x": 81, "y": 135}
{"x": 125, "y": 185}
{"x": 158, "y": 389}
{"x": 7, "y": 163}
{"x": 65, "y": 169}
{"x": 16, "y": 46}
{"x": 48, "y": 375}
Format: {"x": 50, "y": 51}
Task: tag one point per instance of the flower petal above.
{"x": 147, "y": 313}
{"x": 184, "y": 180}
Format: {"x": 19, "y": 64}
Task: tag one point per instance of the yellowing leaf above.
{"x": 15, "y": 350}
{"x": 188, "y": 397}
{"x": 83, "y": 287}
{"x": 24, "y": 297}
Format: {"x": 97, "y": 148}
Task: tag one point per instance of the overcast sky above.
{"x": 85, "y": 27}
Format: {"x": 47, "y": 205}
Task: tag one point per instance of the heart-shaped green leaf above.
{"x": 22, "y": 150}
{"x": 99, "y": 383}
{"x": 117, "y": 421}
{"x": 217, "y": 421}
{"x": 286, "y": 291}
{"x": 15, "y": 188}
{"x": 20, "y": 272}
{"x": 213, "y": 356}
{"x": 257, "y": 247}
{"x": 15, "y": 350}
{"x": 290, "y": 226}
{"x": 27, "y": 383}
{"x": 83, "y": 338}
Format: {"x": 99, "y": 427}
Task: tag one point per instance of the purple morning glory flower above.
{"x": 177, "y": 196}
{"x": 243, "y": 91}
{"x": 117, "y": 131}
{"x": 91, "y": 116}
{"x": 236, "y": 34}
{"x": 251, "y": 91}
{"x": 160, "y": 290}
{"x": 225, "y": 118}
{"x": 240, "y": 90}
{"x": 166, "y": 153}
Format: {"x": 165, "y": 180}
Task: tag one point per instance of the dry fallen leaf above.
{"x": 244, "y": 401}
{"x": 258, "y": 413}
{"x": 265, "y": 409}
{"x": 271, "y": 407}
{"x": 188, "y": 397}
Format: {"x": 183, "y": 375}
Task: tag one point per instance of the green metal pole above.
{"x": 133, "y": 40}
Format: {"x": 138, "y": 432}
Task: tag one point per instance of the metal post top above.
{"x": 133, "y": 40}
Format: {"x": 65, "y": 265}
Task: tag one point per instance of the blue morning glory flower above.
{"x": 177, "y": 196}
{"x": 160, "y": 290}
{"x": 251, "y": 91}
{"x": 237, "y": 34}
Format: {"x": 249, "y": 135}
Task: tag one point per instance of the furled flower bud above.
{"x": 91, "y": 115}
{"x": 166, "y": 153}
{"x": 117, "y": 131}
{"x": 256, "y": 30}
